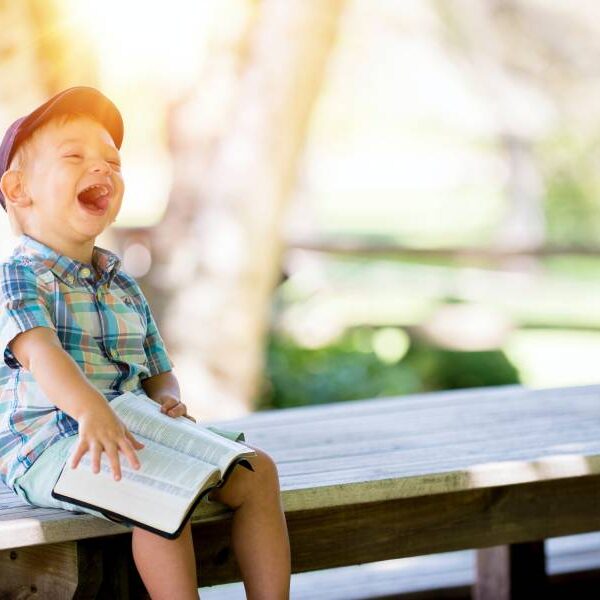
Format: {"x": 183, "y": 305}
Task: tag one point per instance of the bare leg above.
{"x": 259, "y": 530}
{"x": 167, "y": 567}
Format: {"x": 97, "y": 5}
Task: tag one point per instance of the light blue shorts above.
{"x": 35, "y": 486}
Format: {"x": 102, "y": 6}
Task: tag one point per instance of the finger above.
{"x": 96, "y": 451}
{"x": 135, "y": 443}
{"x": 178, "y": 410}
{"x": 129, "y": 452}
{"x": 113, "y": 456}
{"x": 81, "y": 449}
{"x": 190, "y": 418}
{"x": 168, "y": 404}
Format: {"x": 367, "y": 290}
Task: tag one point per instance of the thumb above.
{"x": 168, "y": 403}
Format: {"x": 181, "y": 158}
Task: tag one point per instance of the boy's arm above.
{"x": 164, "y": 389}
{"x": 40, "y": 352}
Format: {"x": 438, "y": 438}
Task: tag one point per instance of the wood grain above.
{"x": 57, "y": 571}
{"x": 374, "y": 479}
{"x": 482, "y": 518}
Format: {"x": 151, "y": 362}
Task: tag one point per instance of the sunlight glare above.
{"x": 165, "y": 41}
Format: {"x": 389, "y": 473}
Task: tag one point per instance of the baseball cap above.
{"x": 83, "y": 99}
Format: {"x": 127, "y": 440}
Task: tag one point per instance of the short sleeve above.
{"x": 22, "y": 307}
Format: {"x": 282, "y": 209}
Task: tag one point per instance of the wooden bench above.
{"x": 497, "y": 469}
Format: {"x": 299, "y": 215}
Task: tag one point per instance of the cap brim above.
{"x": 82, "y": 99}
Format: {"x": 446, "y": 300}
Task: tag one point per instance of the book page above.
{"x": 156, "y": 469}
{"x": 156, "y": 493}
{"x": 142, "y": 416}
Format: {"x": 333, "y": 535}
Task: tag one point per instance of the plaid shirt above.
{"x": 104, "y": 323}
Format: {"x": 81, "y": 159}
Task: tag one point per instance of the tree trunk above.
{"x": 221, "y": 242}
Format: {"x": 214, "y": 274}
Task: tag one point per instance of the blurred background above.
{"x": 330, "y": 200}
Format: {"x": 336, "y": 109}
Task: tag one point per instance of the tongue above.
{"x": 93, "y": 199}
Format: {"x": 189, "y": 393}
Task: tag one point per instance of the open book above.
{"x": 180, "y": 463}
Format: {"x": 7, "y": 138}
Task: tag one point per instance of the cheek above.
{"x": 52, "y": 195}
{"x": 120, "y": 190}
{"x": 61, "y": 185}
{"x": 119, "y": 197}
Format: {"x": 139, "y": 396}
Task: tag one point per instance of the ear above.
{"x": 13, "y": 188}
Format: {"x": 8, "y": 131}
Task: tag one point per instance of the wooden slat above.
{"x": 384, "y": 449}
{"x": 345, "y": 535}
{"x": 545, "y": 417}
{"x": 431, "y": 577}
{"x": 414, "y": 426}
{"x": 49, "y": 526}
{"x": 511, "y": 572}
{"x": 56, "y": 571}
{"x": 484, "y": 399}
{"x": 320, "y": 413}
{"x": 434, "y": 431}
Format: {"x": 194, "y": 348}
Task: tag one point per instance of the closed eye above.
{"x": 115, "y": 163}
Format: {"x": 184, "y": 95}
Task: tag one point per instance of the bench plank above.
{"x": 435, "y": 443}
{"x": 504, "y": 569}
{"x": 24, "y": 525}
{"x": 571, "y": 560}
{"x": 345, "y": 535}
{"x": 513, "y": 435}
{"x": 380, "y": 474}
{"x": 56, "y": 571}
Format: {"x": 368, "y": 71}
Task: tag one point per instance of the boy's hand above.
{"x": 170, "y": 405}
{"x": 100, "y": 430}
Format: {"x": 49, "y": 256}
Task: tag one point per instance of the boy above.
{"x": 76, "y": 331}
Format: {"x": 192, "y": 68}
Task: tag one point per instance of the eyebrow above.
{"x": 79, "y": 141}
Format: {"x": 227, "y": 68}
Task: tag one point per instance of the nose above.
{"x": 99, "y": 166}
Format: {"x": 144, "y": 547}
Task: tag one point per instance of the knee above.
{"x": 265, "y": 470}
{"x": 244, "y": 484}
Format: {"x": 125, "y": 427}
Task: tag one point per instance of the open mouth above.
{"x": 94, "y": 198}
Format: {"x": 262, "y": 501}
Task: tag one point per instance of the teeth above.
{"x": 97, "y": 185}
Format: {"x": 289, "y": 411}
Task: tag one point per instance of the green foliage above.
{"x": 297, "y": 376}
{"x": 442, "y": 369}
{"x": 570, "y": 166}
{"x": 571, "y": 216}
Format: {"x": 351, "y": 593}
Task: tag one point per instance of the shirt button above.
{"x": 70, "y": 279}
{"x": 85, "y": 272}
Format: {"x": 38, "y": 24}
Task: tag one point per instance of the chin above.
{"x": 92, "y": 230}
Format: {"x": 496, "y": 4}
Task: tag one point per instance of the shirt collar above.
{"x": 67, "y": 269}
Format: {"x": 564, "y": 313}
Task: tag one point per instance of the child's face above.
{"x": 66, "y": 159}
